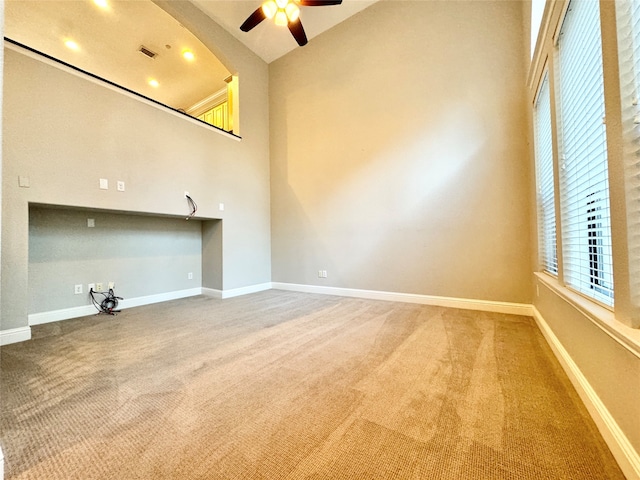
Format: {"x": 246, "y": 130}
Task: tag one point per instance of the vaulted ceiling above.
{"x": 267, "y": 40}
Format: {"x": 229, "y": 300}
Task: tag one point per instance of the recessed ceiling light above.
{"x": 188, "y": 55}
{"x": 154, "y": 83}
{"x": 70, "y": 44}
{"x": 101, "y": 3}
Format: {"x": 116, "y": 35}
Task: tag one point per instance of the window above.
{"x": 628, "y": 21}
{"x": 544, "y": 172}
{"x": 584, "y": 185}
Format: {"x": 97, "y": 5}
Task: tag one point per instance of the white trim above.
{"x": 236, "y": 292}
{"x": 160, "y": 297}
{"x": 600, "y": 316}
{"x": 85, "y": 310}
{"x": 207, "y": 103}
{"x": 212, "y": 292}
{"x": 464, "y": 303}
{"x": 622, "y": 450}
{"x": 113, "y": 87}
{"x": 63, "y": 314}
{"x": 1, "y": 464}
{"x": 14, "y": 335}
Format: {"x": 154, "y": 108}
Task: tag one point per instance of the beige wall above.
{"x": 398, "y": 161}
{"x": 611, "y": 369}
{"x": 65, "y": 133}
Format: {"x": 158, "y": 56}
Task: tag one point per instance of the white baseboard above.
{"x": 464, "y": 303}
{"x": 212, "y": 292}
{"x": 624, "y": 453}
{"x": 14, "y": 335}
{"x": 63, "y": 314}
{"x": 160, "y": 297}
{"x": 85, "y": 310}
{"x": 236, "y": 292}
{"x": 1, "y": 465}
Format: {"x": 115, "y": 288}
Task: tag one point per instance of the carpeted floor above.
{"x": 284, "y": 385}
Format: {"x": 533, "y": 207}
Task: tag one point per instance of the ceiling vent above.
{"x": 145, "y": 51}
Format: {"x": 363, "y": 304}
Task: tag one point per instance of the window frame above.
{"x": 624, "y": 319}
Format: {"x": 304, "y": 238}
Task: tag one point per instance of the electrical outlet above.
{"x": 99, "y": 287}
{"x": 91, "y": 286}
{"x": 112, "y": 284}
{"x": 91, "y": 222}
{"x": 324, "y": 274}
{"x": 104, "y": 184}
{"x": 186, "y": 194}
{"x": 190, "y": 276}
{"x": 78, "y": 289}
{"x": 120, "y": 186}
{"x": 319, "y": 273}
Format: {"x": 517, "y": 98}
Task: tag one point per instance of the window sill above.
{"x": 602, "y": 317}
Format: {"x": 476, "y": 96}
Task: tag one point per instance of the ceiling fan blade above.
{"x": 319, "y": 3}
{"x": 254, "y": 19}
{"x": 298, "y": 32}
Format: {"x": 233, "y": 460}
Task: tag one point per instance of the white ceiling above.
{"x": 267, "y": 40}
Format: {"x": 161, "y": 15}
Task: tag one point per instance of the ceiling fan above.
{"x": 285, "y": 12}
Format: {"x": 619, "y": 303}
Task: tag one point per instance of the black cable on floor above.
{"x": 109, "y": 304}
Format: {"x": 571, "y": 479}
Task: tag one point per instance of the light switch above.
{"x": 104, "y": 184}
{"x": 221, "y": 206}
{"x": 24, "y": 182}
{"x": 91, "y": 222}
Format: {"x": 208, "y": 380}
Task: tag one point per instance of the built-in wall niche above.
{"x": 148, "y": 257}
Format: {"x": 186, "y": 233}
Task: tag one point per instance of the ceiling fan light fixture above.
{"x": 292, "y": 11}
{"x": 282, "y": 3}
{"x": 281, "y": 18}
{"x": 269, "y": 8}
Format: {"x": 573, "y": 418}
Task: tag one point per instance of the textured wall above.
{"x": 398, "y": 160}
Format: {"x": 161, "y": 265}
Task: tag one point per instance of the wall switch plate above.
{"x": 91, "y": 222}
{"x": 221, "y": 206}
{"x": 24, "y": 182}
{"x": 190, "y": 276}
{"x": 120, "y": 186}
{"x": 104, "y": 184}
{"x": 78, "y": 289}
{"x": 324, "y": 274}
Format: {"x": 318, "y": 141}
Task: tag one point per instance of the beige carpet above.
{"x": 288, "y": 385}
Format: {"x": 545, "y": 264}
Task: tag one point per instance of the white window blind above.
{"x": 628, "y": 20}
{"x": 584, "y": 185}
{"x": 544, "y": 173}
